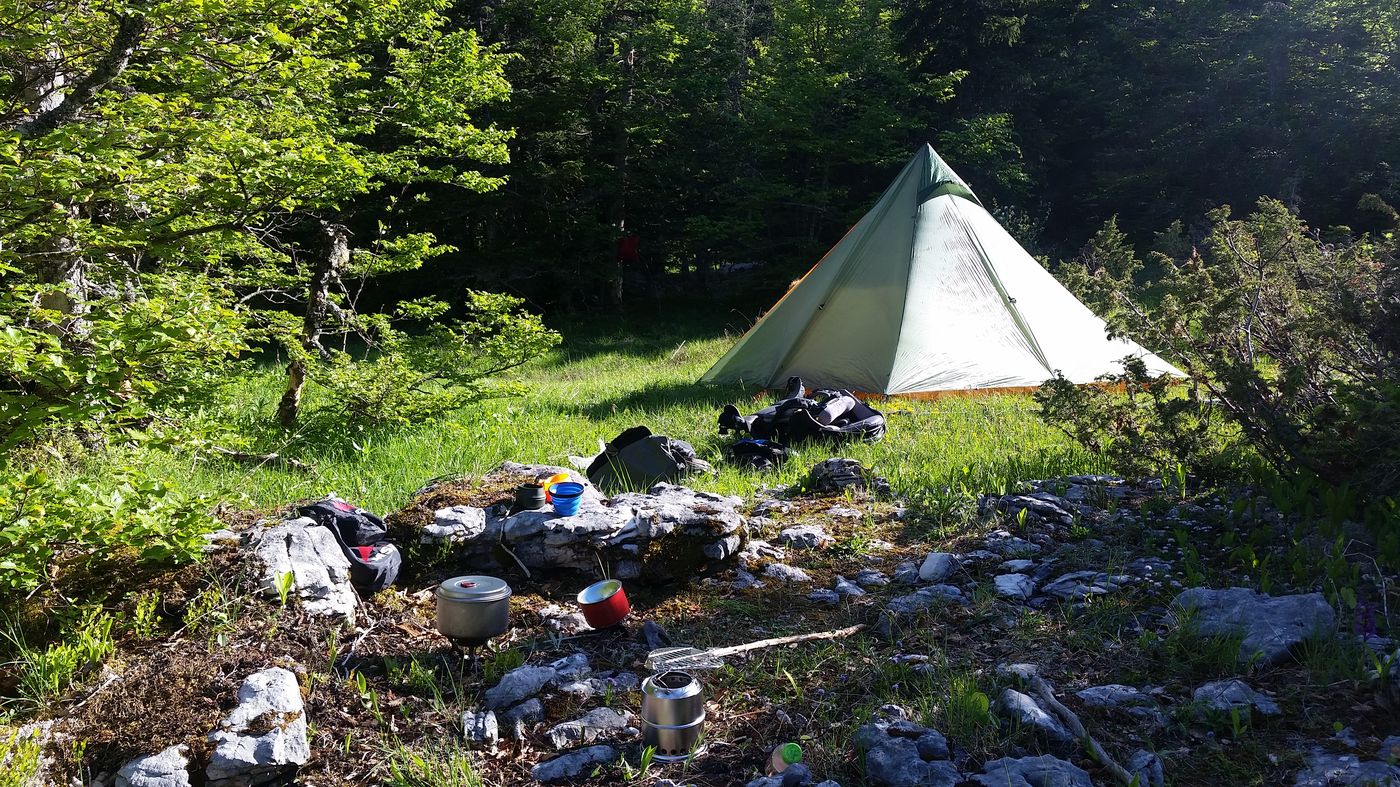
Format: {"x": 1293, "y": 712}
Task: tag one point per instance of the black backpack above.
{"x": 828, "y": 414}
{"x": 757, "y": 454}
{"x": 374, "y": 561}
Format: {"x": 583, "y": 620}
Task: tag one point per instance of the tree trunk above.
{"x": 335, "y": 253}
{"x": 618, "y": 209}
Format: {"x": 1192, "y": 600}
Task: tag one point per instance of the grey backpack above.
{"x": 638, "y": 459}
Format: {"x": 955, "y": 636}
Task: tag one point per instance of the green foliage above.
{"x": 430, "y": 766}
{"x": 1289, "y": 338}
{"x": 20, "y": 755}
{"x": 410, "y": 379}
{"x": 44, "y": 673}
{"x": 166, "y": 349}
{"x": 1141, "y": 423}
{"x": 52, "y": 534}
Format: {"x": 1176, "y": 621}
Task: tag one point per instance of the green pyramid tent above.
{"x": 927, "y": 294}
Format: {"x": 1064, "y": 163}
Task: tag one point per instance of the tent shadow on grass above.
{"x": 654, "y": 398}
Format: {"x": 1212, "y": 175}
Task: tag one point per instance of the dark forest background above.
{"x": 735, "y": 131}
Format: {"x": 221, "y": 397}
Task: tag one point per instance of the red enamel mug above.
{"x": 604, "y": 603}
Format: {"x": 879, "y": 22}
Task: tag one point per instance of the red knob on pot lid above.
{"x": 474, "y": 588}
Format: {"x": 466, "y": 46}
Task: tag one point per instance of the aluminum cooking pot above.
{"x": 473, "y": 609}
{"x": 673, "y": 714}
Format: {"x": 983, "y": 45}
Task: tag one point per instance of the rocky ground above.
{"x": 1082, "y": 631}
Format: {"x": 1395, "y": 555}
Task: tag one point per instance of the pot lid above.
{"x": 474, "y": 588}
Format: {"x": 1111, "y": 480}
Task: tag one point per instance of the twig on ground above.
{"x": 275, "y": 460}
{"x": 1046, "y": 693}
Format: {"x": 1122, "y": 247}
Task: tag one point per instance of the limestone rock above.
{"x": 847, "y": 588}
{"x": 1042, "y": 771}
{"x": 518, "y": 718}
{"x": 574, "y": 765}
{"x": 1226, "y": 695}
{"x": 925, "y": 598}
{"x": 1076, "y": 585}
{"x": 805, "y": 537}
{"x": 1271, "y": 625}
{"x": 1147, "y": 767}
{"x": 1003, "y": 543}
{"x": 786, "y": 573}
{"x": 454, "y": 525}
{"x": 937, "y": 567}
{"x": 906, "y": 573}
{"x": 1016, "y": 586}
{"x": 169, "y": 768}
{"x": 1125, "y": 699}
{"x": 824, "y": 596}
{"x": 1346, "y": 770}
{"x": 900, "y": 753}
{"x": 320, "y": 572}
{"x": 264, "y": 738}
{"x": 1022, "y": 710}
{"x": 563, "y": 621}
{"x": 869, "y": 578}
{"x": 518, "y": 685}
{"x": 480, "y": 728}
{"x": 703, "y": 527}
{"x": 589, "y": 727}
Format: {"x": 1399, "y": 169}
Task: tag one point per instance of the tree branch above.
{"x": 130, "y": 30}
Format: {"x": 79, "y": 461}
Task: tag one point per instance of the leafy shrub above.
{"x": 1142, "y": 424}
{"x": 1292, "y": 339}
{"x": 49, "y": 534}
{"x": 138, "y": 359}
{"x": 415, "y": 378}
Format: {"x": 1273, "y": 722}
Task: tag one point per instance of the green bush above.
{"x": 409, "y": 379}
{"x": 1290, "y": 338}
{"x": 50, "y": 534}
{"x": 139, "y": 359}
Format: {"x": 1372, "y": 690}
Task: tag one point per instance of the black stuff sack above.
{"x": 757, "y": 454}
{"x": 363, "y": 539}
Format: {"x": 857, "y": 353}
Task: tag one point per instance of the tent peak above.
{"x": 939, "y": 178}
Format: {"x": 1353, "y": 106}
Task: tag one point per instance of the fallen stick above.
{"x": 694, "y": 658}
{"x": 257, "y": 460}
{"x": 1042, "y": 688}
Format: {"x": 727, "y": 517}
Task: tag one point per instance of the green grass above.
{"x": 599, "y": 382}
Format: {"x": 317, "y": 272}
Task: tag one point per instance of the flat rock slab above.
{"x": 1042, "y": 771}
{"x": 264, "y": 738}
{"x": 309, "y": 554}
{"x": 805, "y": 537}
{"x": 926, "y": 598}
{"x": 1270, "y": 625}
{"x": 1346, "y": 770}
{"x": 169, "y": 768}
{"x": 595, "y": 724}
{"x": 1224, "y": 696}
{"x": 1015, "y": 586}
{"x": 786, "y": 573}
{"x": 667, "y": 531}
{"x": 574, "y": 765}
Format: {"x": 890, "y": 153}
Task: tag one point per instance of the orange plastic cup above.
{"x": 551, "y": 481}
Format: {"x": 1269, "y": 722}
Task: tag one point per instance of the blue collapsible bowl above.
{"x": 567, "y": 495}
